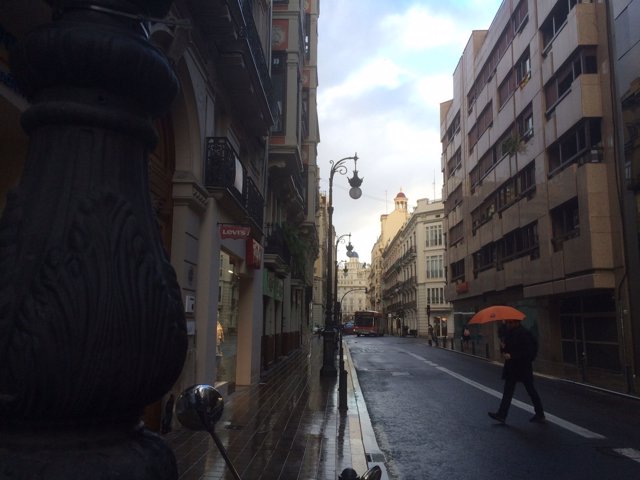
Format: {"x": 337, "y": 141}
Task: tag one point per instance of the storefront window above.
{"x": 227, "y": 327}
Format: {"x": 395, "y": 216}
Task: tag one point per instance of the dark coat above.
{"x": 523, "y": 348}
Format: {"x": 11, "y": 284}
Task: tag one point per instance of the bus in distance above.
{"x": 368, "y": 322}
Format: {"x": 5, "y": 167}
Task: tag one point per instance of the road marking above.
{"x": 572, "y": 427}
{"x": 631, "y": 453}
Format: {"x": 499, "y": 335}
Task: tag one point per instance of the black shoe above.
{"x": 497, "y": 417}
{"x": 538, "y": 419}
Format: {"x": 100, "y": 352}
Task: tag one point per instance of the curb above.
{"x": 371, "y": 451}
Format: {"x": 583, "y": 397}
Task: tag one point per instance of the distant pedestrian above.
{"x": 520, "y": 350}
{"x": 168, "y": 414}
{"x": 430, "y": 334}
{"x": 466, "y": 337}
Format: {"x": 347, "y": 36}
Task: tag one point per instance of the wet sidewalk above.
{"x": 287, "y": 427}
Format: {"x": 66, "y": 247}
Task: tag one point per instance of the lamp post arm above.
{"x": 352, "y": 290}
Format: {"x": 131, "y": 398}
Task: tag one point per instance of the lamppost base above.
{"x": 329, "y": 353}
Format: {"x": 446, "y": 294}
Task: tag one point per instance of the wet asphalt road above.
{"x": 428, "y": 407}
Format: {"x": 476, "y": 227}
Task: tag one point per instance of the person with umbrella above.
{"x": 519, "y": 348}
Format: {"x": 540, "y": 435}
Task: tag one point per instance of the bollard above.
{"x": 487, "y": 349}
{"x": 348, "y": 474}
{"x": 473, "y": 348}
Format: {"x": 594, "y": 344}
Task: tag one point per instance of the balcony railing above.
{"x": 223, "y": 171}
{"x": 277, "y": 245}
{"x": 222, "y": 167}
{"x": 255, "y": 47}
{"x": 254, "y": 202}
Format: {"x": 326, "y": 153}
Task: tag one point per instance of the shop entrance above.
{"x": 589, "y": 332}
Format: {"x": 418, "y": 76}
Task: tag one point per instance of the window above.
{"x": 457, "y": 271}
{"x": 453, "y": 128}
{"x": 484, "y": 259}
{"x": 456, "y": 234}
{"x": 279, "y": 82}
{"x": 483, "y": 213}
{"x": 435, "y": 296}
{"x": 555, "y": 22}
{"x": 523, "y": 69}
{"x": 518, "y": 243}
{"x": 307, "y": 37}
{"x": 517, "y": 187}
{"x": 506, "y": 88}
{"x": 525, "y": 123}
{"x": 515, "y": 25}
{"x": 434, "y": 235}
{"x": 435, "y": 266}
{"x": 485, "y": 120}
{"x": 453, "y": 200}
{"x": 565, "y": 221}
{"x": 305, "y": 113}
{"x": 581, "y": 144}
{"x": 454, "y": 163}
{"x": 520, "y": 16}
{"x": 583, "y": 61}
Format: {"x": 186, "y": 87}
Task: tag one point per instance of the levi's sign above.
{"x": 234, "y": 231}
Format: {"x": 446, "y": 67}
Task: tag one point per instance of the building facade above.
{"x": 414, "y": 274}
{"x": 390, "y": 224}
{"x": 626, "y": 67}
{"x": 353, "y": 281}
{"x": 233, "y": 179}
{"x": 530, "y": 183}
{"x": 293, "y": 200}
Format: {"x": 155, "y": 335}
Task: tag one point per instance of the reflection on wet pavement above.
{"x": 287, "y": 427}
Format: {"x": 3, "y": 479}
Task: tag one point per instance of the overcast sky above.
{"x": 384, "y": 67}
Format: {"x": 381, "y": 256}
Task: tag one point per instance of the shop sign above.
{"x": 462, "y": 287}
{"x": 253, "y": 254}
{"x": 228, "y": 230}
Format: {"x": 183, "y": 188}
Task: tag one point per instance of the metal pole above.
{"x": 329, "y": 334}
{"x": 328, "y": 361}
{"x": 342, "y": 388}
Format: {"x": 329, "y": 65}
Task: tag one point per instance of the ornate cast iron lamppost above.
{"x": 91, "y": 319}
{"x": 337, "y": 268}
{"x": 329, "y": 341}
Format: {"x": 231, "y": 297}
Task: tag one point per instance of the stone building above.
{"x": 531, "y": 183}
{"x": 414, "y": 275}
{"x": 233, "y": 182}
{"x": 390, "y": 224}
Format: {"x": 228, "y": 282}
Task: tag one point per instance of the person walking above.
{"x": 466, "y": 336}
{"x": 430, "y": 334}
{"x": 519, "y": 349}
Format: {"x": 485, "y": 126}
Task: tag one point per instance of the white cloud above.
{"x": 418, "y": 28}
{"x": 432, "y": 90}
{"x": 384, "y": 68}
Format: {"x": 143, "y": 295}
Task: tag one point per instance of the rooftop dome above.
{"x": 401, "y": 195}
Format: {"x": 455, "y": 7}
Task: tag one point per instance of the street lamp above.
{"x": 329, "y": 340}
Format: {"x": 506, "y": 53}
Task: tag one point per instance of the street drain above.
{"x": 375, "y": 457}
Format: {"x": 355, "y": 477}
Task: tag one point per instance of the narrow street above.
{"x": 429, "y": 405}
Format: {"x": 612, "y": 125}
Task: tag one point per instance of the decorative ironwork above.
{"x": 220, "y": 168}
{"x": 254, "y": 202}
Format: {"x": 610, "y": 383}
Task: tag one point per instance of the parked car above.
{"x": 317, "y": 329}
{"x": 347, "y": 328}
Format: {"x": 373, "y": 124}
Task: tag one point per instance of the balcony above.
{"x": 228, "y": 28}
{"x": 289, "y": 187}
{"x": 225, "y": 177}
{"x": 276, "y": 252}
